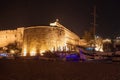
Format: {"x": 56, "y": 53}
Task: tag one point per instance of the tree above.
{"x": 89, "y": 37}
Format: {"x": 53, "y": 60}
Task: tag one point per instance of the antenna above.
{"x": 94, "y": 26}
{"x": 94, "y": 22}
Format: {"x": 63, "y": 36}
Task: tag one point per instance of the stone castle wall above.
{"x": 11, "y": 36}
{"x": 42, "y": 38}
{"x": 39, "y": 39}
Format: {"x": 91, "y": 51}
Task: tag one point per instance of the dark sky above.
{"x": 76, "y": 15}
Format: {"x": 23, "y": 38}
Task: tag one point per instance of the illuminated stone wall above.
{"x": 70, "y": 36}
{"x": 42, "y": 38}
{"x": 10, "y": 36}
{"x": 39, "y": 39}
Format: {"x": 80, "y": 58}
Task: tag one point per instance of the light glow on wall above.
{"x": 33, "y": 52}
{"x": 67, "y": 49}
{"x": 24, "y": 52}
{"x": 42, "y": 52}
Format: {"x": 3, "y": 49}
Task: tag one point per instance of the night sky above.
{"x": 76, "y": 15}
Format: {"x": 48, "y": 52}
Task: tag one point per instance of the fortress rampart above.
{"x": 39, "y": 39}
{"x": 11, "y": 36}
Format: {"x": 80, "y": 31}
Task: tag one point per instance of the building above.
{"x": 39, "y": 39}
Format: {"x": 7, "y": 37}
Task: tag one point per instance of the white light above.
{"x": 53, "y": 24}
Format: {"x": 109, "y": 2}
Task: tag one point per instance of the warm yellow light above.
{"x": 42, "y": 52}
{"x": 12, "y": 51}
{"x": 107, "y": 40}
{"x": 61, "y": 48}
{"x": 25, "y": 52}
{"x": 99, "y": 48}
{"x": 33, "y": 52}
{"x": 51, "y": 49}
{"x": 67, "y": 49}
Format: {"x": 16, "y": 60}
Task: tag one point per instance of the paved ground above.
{"x": 58, "y": 70}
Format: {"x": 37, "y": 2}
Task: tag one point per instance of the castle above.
{"x": 39, "y": 39}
